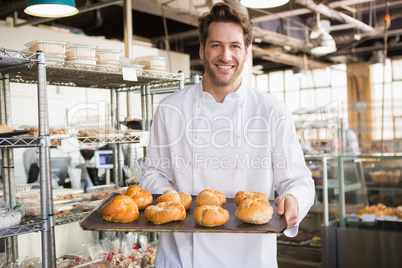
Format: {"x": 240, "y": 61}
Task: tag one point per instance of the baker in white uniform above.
{"x": 223, "y": 135}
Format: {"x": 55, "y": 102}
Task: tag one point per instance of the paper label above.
{"x": 390, "y": 218}
{"x": 130, "y": 74}
{"x": 368, "y": 218}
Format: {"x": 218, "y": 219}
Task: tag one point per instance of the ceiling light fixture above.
{"x": 51, "y": 8}
{"x": 323, "y": 42}
{"x": 263, "y": 3}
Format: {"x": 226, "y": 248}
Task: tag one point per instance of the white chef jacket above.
{"x": 246, "y": 143}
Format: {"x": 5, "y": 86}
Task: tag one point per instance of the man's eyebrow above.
{"x": 217, "y": 41}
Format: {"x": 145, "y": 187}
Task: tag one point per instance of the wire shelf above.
{"x": 19, "y": 142}
{"x": 21, "y": 229}
{"x": 14, "y": 59}
{"x": 73, "y": 217}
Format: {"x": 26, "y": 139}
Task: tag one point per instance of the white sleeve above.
{"x": 291, "y": 175}
{"x": 156, "y": 174}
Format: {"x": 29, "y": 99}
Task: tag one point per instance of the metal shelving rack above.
{"x": 27, "y": 67}
{"x": 11, "y": 62}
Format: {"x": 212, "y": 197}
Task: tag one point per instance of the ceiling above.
{"x": 281, "y": 35}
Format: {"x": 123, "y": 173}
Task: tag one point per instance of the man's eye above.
{"x": 215, "y": 45}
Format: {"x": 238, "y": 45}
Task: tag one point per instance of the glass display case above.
{"x": 373, "y": 232}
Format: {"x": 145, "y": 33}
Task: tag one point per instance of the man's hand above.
{"x": 287, "y": 204}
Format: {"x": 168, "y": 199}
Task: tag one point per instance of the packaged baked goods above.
{"x": 152, "y": 62}
{"x": 10, "y": 218}
{"x": 81, "y": 60}
{"x": 80, "y": 51}
{"x": 107, "y": 55}
{"x": 48, "y": 47}
{"x": 386, "y": 177}
{"x": 66, "y": 193}
{"x": 4, "y": 128}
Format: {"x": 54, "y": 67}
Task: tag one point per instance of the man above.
{"x": 221, "y": 134}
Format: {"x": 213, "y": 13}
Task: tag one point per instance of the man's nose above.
{"x": 226, "y": 54}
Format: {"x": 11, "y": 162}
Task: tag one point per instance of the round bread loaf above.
{"x": 241, "y": 195}
{"x": 210, "y": 197}
{"x": 174, "y": 196}
{"x": 210, "y": 216}
{"x": 165, "y": 212}
{"x": 254, "y": 211}
{"x": 121, "y": 209}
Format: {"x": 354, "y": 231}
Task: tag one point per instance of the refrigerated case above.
{"x": 371, "y": 236}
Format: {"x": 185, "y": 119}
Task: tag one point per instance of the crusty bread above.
{"x": 210, "y": 216}
{"x": 240, "y": 195}
{"x": 210, "y": 197}
{"x": 254, "y": 211}
{"x": 133, "y": 189}
{"x": 5, "y": 129}
{"x": 143, "y": 198}
{"x": 165, "y": 212}
{"x": 121, "y": 209}
{"x": 174, "y": 196}
{"x": 185, "y": 199}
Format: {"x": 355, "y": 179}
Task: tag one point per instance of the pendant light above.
{"x": 263, "y": 3}
{"x": 323, "y": 42}
{"x": 51, "y": 8}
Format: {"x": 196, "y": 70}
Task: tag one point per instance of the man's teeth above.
{"x": 224, "y": 67}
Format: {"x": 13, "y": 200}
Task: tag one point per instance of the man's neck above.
{"x": 219, "y": 92}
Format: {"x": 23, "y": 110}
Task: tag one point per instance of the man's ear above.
{"x": 201, "y": 52}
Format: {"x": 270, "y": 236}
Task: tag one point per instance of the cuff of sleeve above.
{"x": 292, "y": 232}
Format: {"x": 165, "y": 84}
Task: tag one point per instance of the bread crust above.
{"x": 210, "y": 216}
{"x": 255, "y": 211}
{"x": 165, "y": 212}
{"x": 173, "y": 196}
{"x": 122, "y": 209}
{"x": 241, "y": 195}
{"x": 210, "y": 197}
{"x": 133, "y": 189}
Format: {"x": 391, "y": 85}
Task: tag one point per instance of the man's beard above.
{"x": 212, "y": 74}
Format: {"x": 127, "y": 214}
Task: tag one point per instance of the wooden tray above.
{"x": 94, "y": 222}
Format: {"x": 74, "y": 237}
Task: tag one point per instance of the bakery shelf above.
{"x": 93, "y": 76}
{"x": 15, "y": 59}
{"x": 21, "y": 229}
{"x": 73, "y": 217}
{"x": 19, "y": 142}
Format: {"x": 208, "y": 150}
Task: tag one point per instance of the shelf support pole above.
{"x": 46, "y": 193}
{"x": 7, "y": 164}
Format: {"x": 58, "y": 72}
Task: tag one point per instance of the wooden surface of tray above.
{"x": 94, "y": 222}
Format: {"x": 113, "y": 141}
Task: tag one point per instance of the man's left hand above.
{"x": 287, "y": 204}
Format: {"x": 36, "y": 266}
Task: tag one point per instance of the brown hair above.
{"x": 222, "y": 12}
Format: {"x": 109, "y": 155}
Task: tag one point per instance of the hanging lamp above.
{"x": 51, "y": 8}
{"x": 263, "y": 3}
{"x": 323, "y": 42}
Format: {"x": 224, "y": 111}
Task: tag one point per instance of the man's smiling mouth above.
{"x": 224, "y": 66}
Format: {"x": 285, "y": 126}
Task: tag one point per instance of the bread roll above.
{"x": 185, "y": 199}
{"x": 210, "y": 197}
{"x": 254, "y": 195}
{"x": 165, "y": 212}
{"x": 210, "y": 216}
{"x": 174, "y": 196}
{"x": 5, "y": 129}
{"x": 254, "y": 211}
{"x": 133, "y": 189}
{"x": 121, "y": 209}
